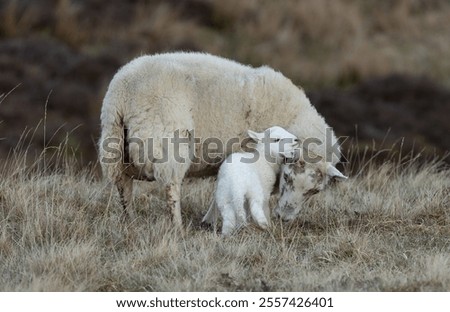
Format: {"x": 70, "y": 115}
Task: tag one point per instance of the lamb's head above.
{"x": 276, "y": 142}
{"x": 300, "y": 180}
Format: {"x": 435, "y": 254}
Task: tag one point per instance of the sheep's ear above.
{"x": 255, "y": 135}
{"x": 332, "y": 172}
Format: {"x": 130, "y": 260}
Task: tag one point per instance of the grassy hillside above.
{"x": 386, "y": 228}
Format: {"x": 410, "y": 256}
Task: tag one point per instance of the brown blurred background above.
{"x": 377, "y": 70}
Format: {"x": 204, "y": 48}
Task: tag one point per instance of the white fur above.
{"x": 154, "y": 95}
{"x": 240, "y": 181}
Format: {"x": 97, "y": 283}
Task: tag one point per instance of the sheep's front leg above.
{"x": 173, "y": 193}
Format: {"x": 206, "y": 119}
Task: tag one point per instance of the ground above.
{"x": 385, "y": 229}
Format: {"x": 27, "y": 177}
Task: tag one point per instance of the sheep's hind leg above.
{"x": 125, "y": 188}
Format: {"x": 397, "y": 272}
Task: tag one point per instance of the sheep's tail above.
{"x": 111, "y": 144}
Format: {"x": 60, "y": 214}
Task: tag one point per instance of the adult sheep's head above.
{"x": 300, "y": 180}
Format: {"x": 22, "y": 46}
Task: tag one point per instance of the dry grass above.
{"x": 386, "y": 229}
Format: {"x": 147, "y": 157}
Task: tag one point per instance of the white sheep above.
{"x": 250, "y": 177}
{"x": 158, "y": 96}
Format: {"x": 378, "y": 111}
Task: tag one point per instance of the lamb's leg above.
{"x": 267, "y": 209}
{"x": 257, "y": 211}
{"x": 228, "y": 220}
{"x": 173, "y": 193}
{"x": 241, "y": 214}
{"x": 125, "y": 188}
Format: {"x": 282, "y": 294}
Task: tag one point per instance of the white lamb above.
{"x": 157, "y": 96}
{"x": 250, "y": 177}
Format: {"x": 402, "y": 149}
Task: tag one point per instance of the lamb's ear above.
{"x": 288, "y": 156}
{"x": 291, "y": 157}
{"x": 332, "y": 172}
{"x": 255, "y": 135}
